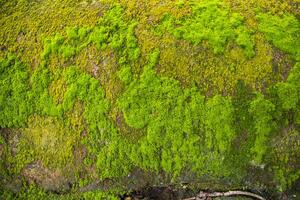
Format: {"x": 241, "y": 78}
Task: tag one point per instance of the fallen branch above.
{"x": 208, "y": 196}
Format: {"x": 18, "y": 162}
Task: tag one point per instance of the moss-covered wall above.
{"x": 94, "y": 90}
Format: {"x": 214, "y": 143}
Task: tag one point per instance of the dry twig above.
{"x": 208, "y": 196}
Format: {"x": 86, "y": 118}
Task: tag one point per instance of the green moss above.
{"x": 14, "y": 101}
{"x": 294, "y": 76}
{"x": 285, "y": 156}
{"x": 42, "y": 103}
{"x": 125, "y": 74}
{"x": 219, "y": 129}
{"x": 33, "y": 192}
{"x": 181, "y": 128}
{"x": 288, "y": 95}
{"x": 99, "y": 195}
{"x": 213, "y": 73}
{"x": 211, "y": 21}
{"x": 293, "y": 80}
{"x": 83, "y": 87}
{"x": 111, "y": 31}
{"x": 113, "y": 159}
{"x": 283, "y": 32}
{"x": 3, "y": 155}
{"x": 261, "y": 110}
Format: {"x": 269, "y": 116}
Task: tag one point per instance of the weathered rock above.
{"x": 49, "y": 180}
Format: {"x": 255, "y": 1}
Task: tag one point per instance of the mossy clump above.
{"x": 211, "y": 21}
{"x": 181, "y": 127}
{"x": 112, "y": 31}
{"x": 261, "y": 110}
{"x": 283, "y": 32}
{"x": 14, "y": 101}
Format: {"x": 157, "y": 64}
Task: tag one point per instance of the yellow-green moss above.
{"x": 50, "y": 141}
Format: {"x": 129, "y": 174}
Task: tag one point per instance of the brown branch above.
{"x": 207, "y": 195}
